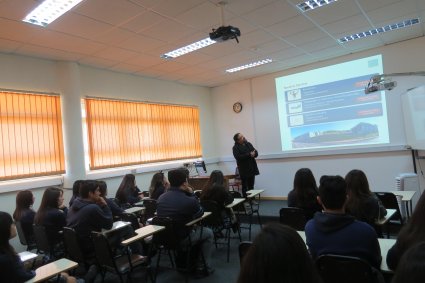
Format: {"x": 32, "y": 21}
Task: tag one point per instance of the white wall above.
{"x": 260, "y": 124}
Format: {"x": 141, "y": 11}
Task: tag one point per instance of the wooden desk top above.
{"x": 235, "y": 202}
{"x": 254, "y": 193}
{"x": 26, "y": 255}
{"x": 135, "y": 209}
{"x": 49, "y": 270}
{"x": 116, "y": 226}
{"x": 384, "y": 244}
{"x": 194, "y": 221}
{"x": 405, "y": 195}
{"x": 143, "y": 233}
{"x": 386, "y": 218}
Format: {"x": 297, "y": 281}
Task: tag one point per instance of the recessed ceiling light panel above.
{"x": 49, "y": 10}
{"x": 188, "y": 48}
{"x": 250, "y": 65}
{"x": 313, "y": 4}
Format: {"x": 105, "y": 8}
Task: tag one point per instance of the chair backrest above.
{"x": 293, "y": 217}
{"x": 150, "y": 208}
{"x": 389, "y": 200}
{"x": 216, "y": 217}
{"x": 130, "y": 217}
{"x": 21, "y": 234}
{"x": 243, "y": 249}
{"x": 72, "y": 247}
{"x": 41, "y": 239}
{"x": 240, "y": 208}
{"x": 103, "y": 251}
{"x": 337, "y": 268}
{"x": 167, "y": 237}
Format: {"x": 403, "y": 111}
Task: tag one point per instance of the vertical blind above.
{"x": 31, "y": 142}
{"x": 123, "y": 133}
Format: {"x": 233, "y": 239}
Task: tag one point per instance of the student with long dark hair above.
{"x": 411, "y": 268}
{"x": 413, "y": 232}
{"x": 278, "y": 255}
{"x": 75, "y": 191}
{"x": 215, "y": 190}
{"x": 127, "y": 193}
{"x": 25, "y": 214}
{"x": 304, "y": 193}
{"x": 116, "y": 210}
{"x": 52, "y": 214}
{"x": 159, "y": 184}
{"x": 362, "y": 203}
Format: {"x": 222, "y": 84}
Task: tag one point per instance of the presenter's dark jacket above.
{"x": 12, "y": 269}
{"x": 247, "y": 165}
{"x": 180, "y": 206}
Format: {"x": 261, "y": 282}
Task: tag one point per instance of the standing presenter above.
{"x": 245, "y": 155}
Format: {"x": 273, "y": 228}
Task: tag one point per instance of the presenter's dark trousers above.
{"x": 247, "y": 184}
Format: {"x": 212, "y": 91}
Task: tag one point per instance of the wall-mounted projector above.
{"x": 224, "y": 33}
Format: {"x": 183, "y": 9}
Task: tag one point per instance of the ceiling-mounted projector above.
{"x": 224, "y": 33}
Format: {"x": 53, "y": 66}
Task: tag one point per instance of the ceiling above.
{"x": 130, "y": 35}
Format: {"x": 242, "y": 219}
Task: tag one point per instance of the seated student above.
{"x": 11, "y": 267}
{"x": 362, "y": 203}
{"x": 52, "y": 215}
{"x": 181, "y": 205}
{"x": 411, "y": 268}
{"x": 304, "y": 194}
{"x": 128, "y": 193}
{"x": 116, "y": 210}
{"x": 25, "y": 214}
{"x": 75, "y": 191}
{"x": 159, "y": 184}
{"x": 215, "y": 190}
{"x": 412, "y": 232}
{"x": 335, "y": 232}
{"x": 278, "y": 254}
{"x": 88, "y": 213}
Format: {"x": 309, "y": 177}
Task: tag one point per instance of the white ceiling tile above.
{"x": 319, "y": 44}
{"x": 292, "y": 26}
{"x": 334, "y": 12}
{"x": 140, "y": 43}
{"x": 113, "y": 36}
{"x": 114, "y": 12}
{"x": 252, "y": 39}
{"x": 17, "y": 30}
{"x": 143, "y": 60}
{"x": 307, "y": 36}
{"x": 115, "y": 53}
{"x": 16, "y": 9}
{"x": 397, "y": 10}
{"x": 48, "y": 53}
{"x": 172, "y": 8}
{"x": 97, "y": 62}
{"x": 368, "y": 5}
{"x": 143, "y": 21}
{"x": 7, "y": 46}
{"x": 168, "y": 31}
{"x": 125, "y": 68}
{"x": 201, "y": 17}
{"x": 347, "y": 26}
{"x": 272, "y": 13}
{"x": 240, "y": 7}
{"x": 79, "y": 25}
{"x": 286, "y": 53}
{"x": 270, "y": 47}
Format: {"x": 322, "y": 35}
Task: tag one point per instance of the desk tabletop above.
{"x": 116, "y": 226}
{"x": 26, "y": 255}
{"x": 384, "y": 244}
{"x": 254, "y": 193}
{"x": 405, "y": 195}
{"x": 143, "y": 233}
{"x": 235, "y": 202}
{"x": 49, "y": 270}
{"x": 386, "y": 218}
{"x": 135, "y": 209}
{"x": 194, "y": 221}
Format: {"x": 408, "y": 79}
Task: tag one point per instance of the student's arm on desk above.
{"x": 102, "y": 217}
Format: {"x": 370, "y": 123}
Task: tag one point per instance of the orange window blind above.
{"x": 31, "y": 142}
{"x": 124, "y": 133}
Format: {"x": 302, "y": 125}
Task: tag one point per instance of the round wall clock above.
{"x": 237, "y": 107}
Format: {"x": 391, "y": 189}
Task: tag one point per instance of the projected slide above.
{"x": 327, "y": 107}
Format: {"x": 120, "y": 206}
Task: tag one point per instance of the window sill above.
{"x": 30, "y": 183}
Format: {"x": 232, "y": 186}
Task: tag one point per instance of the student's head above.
{"x": 90, "y": 190}
{"x": 216, "y": 178}
{"x": 278, "y": 254}
{"x": 177, "y": 177}
{"x": 24, "y": 200}
{"x": 304, "y": 179}
{"x": 411, "y": 268}
{"x": 357, "y": 184}
{"x": 128, "y": 181}
{"x": 7, "y": 232}
{"x": 332, "y": 192}
{"x": 76, "y": 187}
{"x": 103, "y": 188}
{"x": 158, "y": 179}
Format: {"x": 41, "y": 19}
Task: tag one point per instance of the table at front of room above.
{"x": 200, "y": 182}
{"x": 406, "y": 197}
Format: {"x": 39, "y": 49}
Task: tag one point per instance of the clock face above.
{"x": 237, "y": 107}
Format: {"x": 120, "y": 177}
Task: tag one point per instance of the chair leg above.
{"x": 157, "y": 264}
{"x": 228, "y": 243}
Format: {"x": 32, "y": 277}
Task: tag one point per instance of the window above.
{"x": 123, "y": 133}
{"x": 31, "y": 142}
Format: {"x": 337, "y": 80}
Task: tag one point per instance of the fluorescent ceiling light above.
{"x": 48, "y": 11}
{"x": 250, "y": 65}
{"x": 188, "y": 48}
{"x": 313, "y": 4}
{"x": 383, "y": 29}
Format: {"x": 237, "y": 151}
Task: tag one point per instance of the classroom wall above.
{"x": 259, "y": 123}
